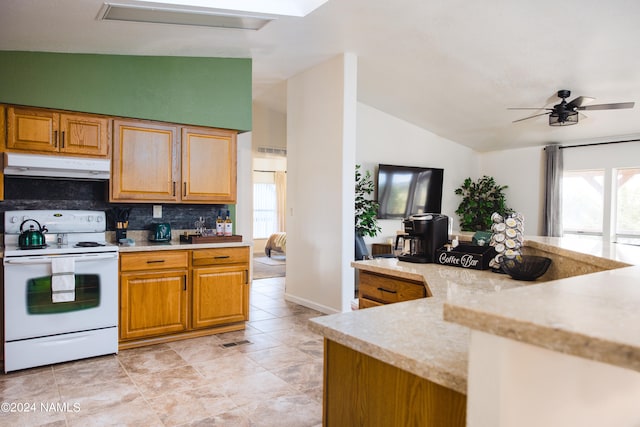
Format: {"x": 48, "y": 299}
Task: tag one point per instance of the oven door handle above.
{"x": 47, "y": 260}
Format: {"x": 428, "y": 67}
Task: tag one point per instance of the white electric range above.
{"x": 60, "y": 300}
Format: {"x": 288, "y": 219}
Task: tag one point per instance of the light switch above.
{"x": 157, "y": 211}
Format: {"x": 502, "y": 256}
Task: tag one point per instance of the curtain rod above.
{"x": 597, "y": 143}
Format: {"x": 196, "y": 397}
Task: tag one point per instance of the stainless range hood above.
{"x": 56, "y": 166}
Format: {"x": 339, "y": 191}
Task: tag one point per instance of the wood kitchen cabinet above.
{"x": 3, "y": 135}
{"x": 161, "y": 162}
{"x": 174, "y": 294}
{"x": 144, "y": 162}
{"x": 153, "y": 293}
{"x": 360, "y": 390}
{"x": 220, "y": 286}
{"x": 42, "y": 131}
{"x": 208, "y": 165}
{"x": 378, "y": 289}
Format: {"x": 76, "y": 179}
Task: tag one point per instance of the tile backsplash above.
{"x": 34, "y": 193}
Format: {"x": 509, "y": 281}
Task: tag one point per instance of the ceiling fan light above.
{"x": 566, "y": 118}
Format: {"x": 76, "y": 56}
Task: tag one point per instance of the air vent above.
{"x": 273, "y": 150}
{"x": 169, "y": 15}
{"x": 235, "y": 343}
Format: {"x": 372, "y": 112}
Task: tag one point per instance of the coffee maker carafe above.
{"x": 425, "y": 234}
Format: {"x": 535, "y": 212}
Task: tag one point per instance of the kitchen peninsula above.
{"x": 413, "y": 362}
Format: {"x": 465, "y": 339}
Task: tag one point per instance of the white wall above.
{"x": 321, "y": 116}
{"x": 244, "y": 205}
{"x": 522, "y": 170}
{"x": 513, "y": 384}
{"x": 383, "y": 138}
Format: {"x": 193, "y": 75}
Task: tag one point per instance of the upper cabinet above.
{"x": 50, "y": 131}
{"x": 208, "y": 165}
{"x": 151, "y": 164}
{"x": 144, "y": 165}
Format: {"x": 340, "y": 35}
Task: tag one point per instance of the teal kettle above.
{"x": 32, "y": 238}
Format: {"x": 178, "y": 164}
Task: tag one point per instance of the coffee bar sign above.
{"x": 466, "y": 256}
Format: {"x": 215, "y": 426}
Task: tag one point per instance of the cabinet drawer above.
{"x": 153, "y": 260}
{"x": 366, "y": 303}
{"x": 387, "y": 290}
{"x": 220, "y": 256}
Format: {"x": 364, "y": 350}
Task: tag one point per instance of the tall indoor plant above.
{"x": 366, "y": 209}
{"x": 480, "y": 199}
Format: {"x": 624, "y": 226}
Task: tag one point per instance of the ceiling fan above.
{"x": 566, "y": 113}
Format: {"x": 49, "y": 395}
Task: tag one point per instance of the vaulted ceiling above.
{"x": 450, "y": 66}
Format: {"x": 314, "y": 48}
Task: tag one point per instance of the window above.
{"x": 583, "y": 202}
{"x": 628, "y": 206}
{"x": 265, "y": 220}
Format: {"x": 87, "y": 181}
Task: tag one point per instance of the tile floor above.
{"x": 274, "y": 380}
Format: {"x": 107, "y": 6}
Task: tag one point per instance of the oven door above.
{"x": 30, "y": 311}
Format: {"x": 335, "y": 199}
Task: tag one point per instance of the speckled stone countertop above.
{"x": 595, "y": 316}
{"x": 143, "y": 244}
{"x": 414, "y": 336}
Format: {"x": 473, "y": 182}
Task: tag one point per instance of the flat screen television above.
{"x": 403, "y": 191}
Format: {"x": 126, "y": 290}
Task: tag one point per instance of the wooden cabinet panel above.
{"x": 50, "y": 131}
{"x": 148, "y": 164}
{"x": 363, "y": 391}
{"x": 85, "y": 134}
{"x": 32, "y": 129}
{"x": 208, "y": 165}
{"x": 220, "y": 295}
{"x": 387, "y": 290}
{"x": 153, "y": 303}
{"x": 219, "y": 256}
{"x": 144, "y": 162}
{"x": 162, "y": 296}
{"x": 3, "y": 140}
{"x": 156, "y": 260}
{"x": 366, "y": 303}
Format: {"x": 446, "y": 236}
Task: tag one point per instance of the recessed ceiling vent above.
{"x": 182, "y": 16}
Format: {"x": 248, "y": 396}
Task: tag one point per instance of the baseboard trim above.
{"x": 310, "y": 304}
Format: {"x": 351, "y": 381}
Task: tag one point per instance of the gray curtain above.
{"x": 552, "y": 213}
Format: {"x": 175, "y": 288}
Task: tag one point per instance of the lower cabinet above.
{"x": 220, "y": 295}
{"x": 153, "y": 293}
{"x": 174, "y": 294}
{"x": 378, "y": 289}
{"x": 360, "y": 390}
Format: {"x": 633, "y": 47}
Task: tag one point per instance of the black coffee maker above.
{"x": 425, "y": 234}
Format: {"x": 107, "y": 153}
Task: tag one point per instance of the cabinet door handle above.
{"x": 174, "y": 188}
{"x": 62, "y": 140}
{"x": 184, "y": 193}
{"x": 221, "y": 257}
{"x": 155, "y": 261}
{"x": 387, "y": 290}
{"x": 55, "y": 138}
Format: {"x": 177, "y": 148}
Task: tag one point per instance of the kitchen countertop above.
{"x": 143, "y": 244}
{"x": 415, "y": 336}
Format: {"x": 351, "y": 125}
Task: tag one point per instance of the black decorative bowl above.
{"x": 525, "y": 267}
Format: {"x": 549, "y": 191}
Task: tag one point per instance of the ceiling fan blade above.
{"x": 615, "y": 106}
{"x": 580, "y": 101}
{"x": 529, "y": 108}
{"x": 531, "y": 117}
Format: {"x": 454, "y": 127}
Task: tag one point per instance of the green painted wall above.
{"x": 191, "y": 90}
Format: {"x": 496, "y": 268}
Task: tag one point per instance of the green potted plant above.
{"x": 366, "y": 221}
{"x": 480, "y": 199}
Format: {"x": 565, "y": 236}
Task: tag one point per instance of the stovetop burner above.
{"x": 88, "y": 244}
